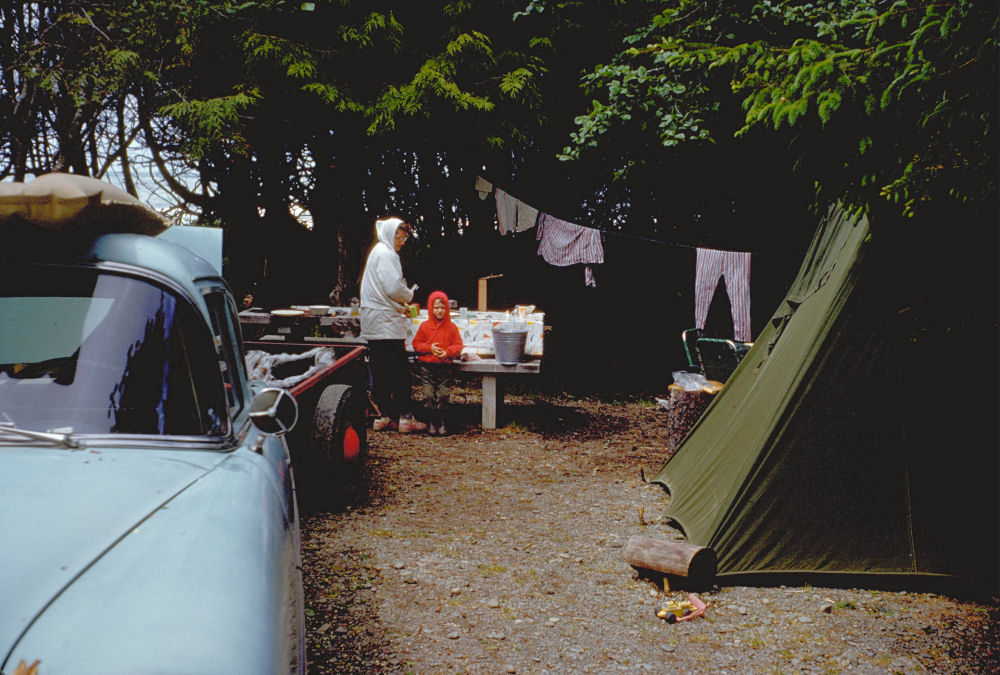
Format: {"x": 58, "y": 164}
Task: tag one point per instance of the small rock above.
{"x": 456, "y": 591}
{"x": 654, "y": 592}
{"x": 325, "y": 627}
{"x": 827, "y": 609}
{"x": 553, "y": 620}
{"x": 496, "y": 635}
{"x": 510, "y": 669}
{"x": 410, "y": 580}
{"x": 454, "y": 635}
{"x": 741, "y": 610}
{"x": 493, "y": 603}
{"x": 904, "y": 665}
{"x": 340, "y": 629}
{"x": 398, "y": 566}
{"x": 805, "y": 619}
{"x": 668, "y": 648}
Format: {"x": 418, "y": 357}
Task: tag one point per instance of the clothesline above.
{"x": 648, "y": 239}
{"x": 626, "y": 235}
{"x": 563, "y": 243}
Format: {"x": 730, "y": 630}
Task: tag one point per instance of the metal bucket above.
{"x": 509, "y": 339}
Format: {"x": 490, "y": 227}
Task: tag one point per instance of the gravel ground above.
{"x": 503, "y": 552}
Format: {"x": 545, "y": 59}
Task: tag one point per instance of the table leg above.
{"x": 492, "y": 399}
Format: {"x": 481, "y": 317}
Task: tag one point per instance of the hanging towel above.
{"x": 562, "y": 243}
{"x": 735, "y": 267}
{"x": 506, "y": 212}
{"x": 483, "y": 187}
{"x": 527, "y": 216}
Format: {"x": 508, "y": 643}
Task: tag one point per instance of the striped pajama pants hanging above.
{"x": 735, "y": 267}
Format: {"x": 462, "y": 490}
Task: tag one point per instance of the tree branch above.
{"x": 175, "y": 185}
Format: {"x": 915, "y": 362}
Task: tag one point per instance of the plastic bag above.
{"x": 690, "y": 381}
{"x": 260, "y": 365}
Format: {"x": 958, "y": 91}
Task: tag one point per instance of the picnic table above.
{"x": 308, "y": 330}
{"x": 493, "y": 374}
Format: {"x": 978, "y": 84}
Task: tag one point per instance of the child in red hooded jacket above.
{"x": 437, "y": 344}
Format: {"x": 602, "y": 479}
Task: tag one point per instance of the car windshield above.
{"x": 86, "y": 351}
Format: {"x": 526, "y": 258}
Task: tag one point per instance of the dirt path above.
{"x": 502, "y": 551}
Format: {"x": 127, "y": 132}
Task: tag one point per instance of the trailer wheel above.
{"x": 340, "y": 446}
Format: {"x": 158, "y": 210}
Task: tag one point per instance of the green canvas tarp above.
{"x": 853, "y": 438}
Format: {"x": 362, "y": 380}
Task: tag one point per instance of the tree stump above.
{"x": 683, "y": 410}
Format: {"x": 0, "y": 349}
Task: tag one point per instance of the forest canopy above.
{"x": 874, "y": 100}
{"x": 292, "y": 125}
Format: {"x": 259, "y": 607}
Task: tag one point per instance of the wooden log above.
{"x": 671, "y": 557}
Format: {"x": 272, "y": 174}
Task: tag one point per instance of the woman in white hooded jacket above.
{"x": 385, "y": 300}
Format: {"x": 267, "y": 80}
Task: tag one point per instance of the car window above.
{"x": 87, "y": 351}
{"x": 229, "y": 348}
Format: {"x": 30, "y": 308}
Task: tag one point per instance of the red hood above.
{"x": 430, "y": 307}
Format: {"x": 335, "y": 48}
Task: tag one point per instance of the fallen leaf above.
{"x": 25, "y": 669}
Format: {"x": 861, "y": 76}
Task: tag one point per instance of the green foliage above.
{"x": 213, "y": 122}
{"x": 514, "y": 81}
{"x": 817, "y": 75}
{"x": 434, "y": 80}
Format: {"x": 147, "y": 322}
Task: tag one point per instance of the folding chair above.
{"x": 715, "y": 358}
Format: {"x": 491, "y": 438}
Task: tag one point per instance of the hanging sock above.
{"x": 734, "y": 266}
{"x": 562, "y": 243}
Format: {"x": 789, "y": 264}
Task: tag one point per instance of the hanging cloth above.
{"x": 562, "y": 243}
{"x": 506, "y": 212}
{"x": 735, "y": 267}
{"x": 527, "y": 216}
{"x": 483, "y": 187}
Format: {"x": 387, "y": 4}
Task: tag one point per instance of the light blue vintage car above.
{"x": 147, "y": 523}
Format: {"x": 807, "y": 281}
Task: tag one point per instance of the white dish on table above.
{"x": 319, "y": 310}
{"x": 287, "y": 312}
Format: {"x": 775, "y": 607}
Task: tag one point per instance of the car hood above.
{"x": 62, "y": 510}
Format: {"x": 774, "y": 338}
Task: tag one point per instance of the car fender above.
{"x": 208, "y": 583}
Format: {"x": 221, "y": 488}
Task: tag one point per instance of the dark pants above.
{"x": 436, "y": 380}
{"x": 390, "y": 377}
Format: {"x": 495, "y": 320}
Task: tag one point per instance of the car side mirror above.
{"x": 274, "y": 411}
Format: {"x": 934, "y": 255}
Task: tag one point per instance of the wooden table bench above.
{"x": 493, "y": 380}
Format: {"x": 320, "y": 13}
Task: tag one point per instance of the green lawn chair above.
{"x": 715, "y": 358}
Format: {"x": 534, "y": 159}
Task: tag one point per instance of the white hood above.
{"x": 384, "y": 293}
